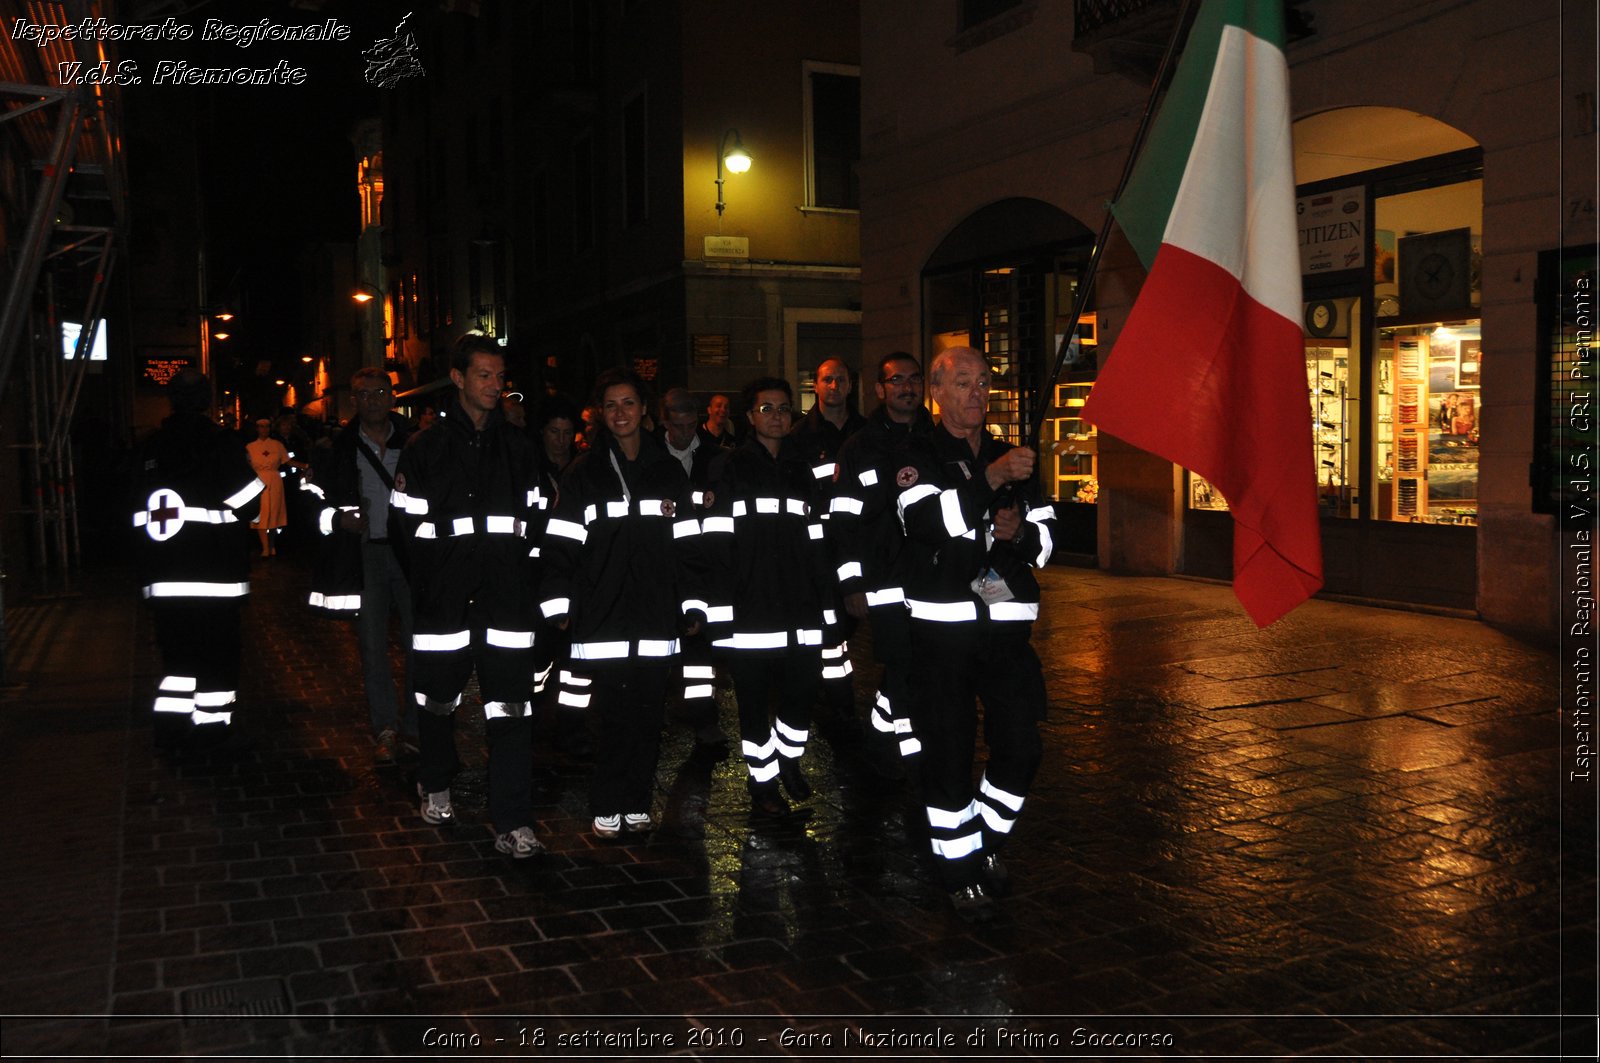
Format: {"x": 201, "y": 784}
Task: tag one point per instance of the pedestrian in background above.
{"x": 358, "y": 573}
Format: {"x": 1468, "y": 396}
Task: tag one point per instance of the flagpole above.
{"x": 1087, "y": 282}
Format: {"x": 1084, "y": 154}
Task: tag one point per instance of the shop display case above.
{"x": 1328, "y": 381}
{"x": 1074, "y": 445}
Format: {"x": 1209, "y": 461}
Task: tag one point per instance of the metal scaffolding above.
{"x": 61, "y": 169}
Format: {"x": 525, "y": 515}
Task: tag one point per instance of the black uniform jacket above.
{"x": 335, "y": 484}
{"x": 468, "y": 505}
{"x": 863, "y": 521}
{"x": 619, "y": 555}
{"x": 194, "y": 493}
{"x": 771, "y": 587}
{"x": 945, "y": 504}
{"x": 816, "y": 440}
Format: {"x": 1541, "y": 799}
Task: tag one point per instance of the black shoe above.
{"x": 995, "y": 873}
{"x": 973, "y": 903}
{"x": 794, "y": 780}
{"x": 768, "y": 803}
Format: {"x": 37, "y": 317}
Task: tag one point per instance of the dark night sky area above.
{"x": 276, "y": 162}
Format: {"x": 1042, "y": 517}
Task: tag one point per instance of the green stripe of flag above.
{"x": 1147, "y": 202}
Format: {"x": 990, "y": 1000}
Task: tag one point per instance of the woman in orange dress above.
{"x": 267, "y": 456}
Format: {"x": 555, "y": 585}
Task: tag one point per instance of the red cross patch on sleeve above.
{"x": 906, "y": 476}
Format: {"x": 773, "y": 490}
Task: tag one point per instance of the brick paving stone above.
{"x": 1229, "y": 824}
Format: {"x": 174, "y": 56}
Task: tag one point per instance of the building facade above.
{"x": 553, "y": 181}
{"x": 1444, "y": 156}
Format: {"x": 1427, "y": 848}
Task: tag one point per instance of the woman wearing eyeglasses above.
{"x": 617, "y": 579}
{"x": 764, "y": 547}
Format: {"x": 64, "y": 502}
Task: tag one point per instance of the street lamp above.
{"x": 735, "y": 158}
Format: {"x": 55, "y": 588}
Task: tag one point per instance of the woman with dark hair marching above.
{"x": 618, "y": 578}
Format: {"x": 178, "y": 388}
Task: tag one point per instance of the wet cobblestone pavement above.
{"x": 1348, "y": 835}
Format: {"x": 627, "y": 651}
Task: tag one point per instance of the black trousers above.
{"x": 759, "y": 679}
{"x": 628, "y": 700}
{"x": 891, "y": 648}
{"x": 199, "y": 642}
{"x": 958, "y": 665}
{"x": 504, "y": 678}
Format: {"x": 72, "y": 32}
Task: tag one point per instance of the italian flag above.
{"x": 1209, "y": 370}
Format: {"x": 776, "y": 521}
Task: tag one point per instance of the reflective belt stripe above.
{"x": 699, "y": 671}
{"x": 555, "y": 607}
{"x": 719, "y": 614}
{"x": 567, "y": 530}
{"x": 1013, "y": 611}
{"x": 881, "y": 721}
{"x": 426, "y": 530}
{"x": 790, "y": 751}
{"x": 179, "y": 684}
{"x": 461, "y": 526}
{"x": 508, "y": 640}
{"x": 835, "y": 653}
{"x": 589, "y": 514}
{"x": 756, "y": 640}
{"x": 244, "y": 494}
{"x": 837, "y": 671}
{"x": 307, "y": 485}
{"x": 344, "y": 603}
{"x": 690, "y": 604}
{"x": 616, "y": 509}
{"x": 850, "y": 570}
{"x": 716, "y": 524}
{"x": 845, "y": 504}
{"x": 422, "y": 699}
{"x": 808, "y": 637}
{"x": 211, "y": 699}
{"x": 195, "y": 589}
{"x": 417, "y": 507}
{"x": 945, "y": 819}
{"x": 658, "y": 647}
{"x": 823, "y": 471}
{"x": 910, "y": 746}
{"x": 456, "y": 640}
{"x": 497, "y": 710}
{"x": 944, "y": 612}
{"x": 502, "y": 525}
{"x": 739, "y": 508}
{"x": 814, "y": 531}
{"x": 652, "y": 507}
{"x": 698, "y": 690}
{"x": 887, "y": 596}
{"x": 536, "y": 500}
{"x": 830, "y": 617}
{"x": 957, "y": 848}
{"x": 542, "y": 679}
{"x": 223, "y": 718}
{"x": 599, "y": 651}
{"x": 1009, "y": 800}
{"x": 868, "y": 477}
{"x": 697, "y": 497}
{"x": 794, "y": 506}
{"x": 685, "y": 527}
{"x": 768, "y": 505}
{"x": 573, "y": 700}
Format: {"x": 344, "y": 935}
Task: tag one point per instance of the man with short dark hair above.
{"x": 869, "y": 542}
{"x": 467, "y": 496}
{"x": 972, "y": 596}
{"x": 717, "y": 425}
{"x": 817, "y": 439}
{"x": 358, "y": 573}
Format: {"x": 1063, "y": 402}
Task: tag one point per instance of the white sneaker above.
{"x": 520, "y": 843}
{"x": 607, "y": 826}
{"x": 638, "y": 822}
{"x": 436, "y": 808}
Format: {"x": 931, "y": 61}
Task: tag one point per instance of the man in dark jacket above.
{"x": 467, "y": 498}
{"x": 358, "y": 573}
{"x": 194, "y": 493}
{"x": 817, "y": 439}
{"x": 868, "y": 541}
{"x": 973, "y": 598}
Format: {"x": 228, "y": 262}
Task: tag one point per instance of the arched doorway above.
{"x": 1390, "y": 212}
{"x": 1003, "y": 280}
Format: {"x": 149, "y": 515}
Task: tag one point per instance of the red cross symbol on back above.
{"x": 163, "y": 514}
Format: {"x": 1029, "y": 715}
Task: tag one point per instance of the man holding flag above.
{"x": 1208, "y": 371}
